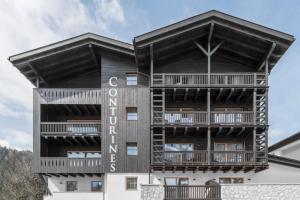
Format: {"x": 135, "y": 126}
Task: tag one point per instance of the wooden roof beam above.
{"x": 230, "y": 130}
{"x": 241, "y": 94}
{"x": 267, "y": 56}
{"x": 197, "y": 94}
{"x": 38, "y": 76}
{"x": 186, "y": 94}
{"x": 92, "y": 51}
{"x": 219, "y": 94}
{"x": 210, "y": 32}
{"x": 230, "y": 94}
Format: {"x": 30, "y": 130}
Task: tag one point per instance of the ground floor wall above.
{"x": 280, "y": 179}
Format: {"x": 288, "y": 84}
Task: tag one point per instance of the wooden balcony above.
{"x": 69, "y": 95}
{"x": 201, "y": 157}
{"x": 216, "y": 80}
{"x": 69, "y": 165}
{"x": 216, "y": 118}
{"x": 70, "y": 128}
{"x": 192, "y": 192}
{"x": 185, "y": 118}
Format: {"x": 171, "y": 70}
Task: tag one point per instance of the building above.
{"x": 289, "y": 147}
{"x": 184, "y": 106}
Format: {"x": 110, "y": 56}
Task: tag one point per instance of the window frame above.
{"x": 126, "y": 183}
{"x": 231, "y": 180}
{"x": 132, "y": 75}
{"x": 132, "y": 110}
{"x": 132, "y": 144}
{"x": 72, "y": 182}
{"x": 101, "y": 189}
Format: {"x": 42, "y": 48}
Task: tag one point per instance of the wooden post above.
{"x": 37, "y": 82}
{"x": 254, "y": 144}
{"x": 151, "y": 65}
{"x": 208, "y": 145}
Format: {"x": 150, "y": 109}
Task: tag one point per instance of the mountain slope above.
{"x": 17, "y": 181}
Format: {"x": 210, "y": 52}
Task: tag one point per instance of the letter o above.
{"x": 112, "y": 92}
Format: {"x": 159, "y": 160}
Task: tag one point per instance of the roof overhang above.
{"x": 243, "y": 40}
{"x": 68, "y": 58}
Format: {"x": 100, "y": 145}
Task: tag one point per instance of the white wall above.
{"x": 115, "y": 186}
{"x": 275, "y": 174}
{"x": 290, "y": 151}
{"x": 75, "y": 196}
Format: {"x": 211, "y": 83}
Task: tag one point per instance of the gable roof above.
{"x": 284, "y": 142}
{"x": 283, "y": 161}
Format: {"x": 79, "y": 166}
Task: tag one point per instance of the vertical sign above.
{"x": 113, "y": 147}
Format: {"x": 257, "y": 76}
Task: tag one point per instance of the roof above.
{"x": 68, "y": 58}
{"x": 286, "y": 141}
{"x": 284, "y": 161}
{"x": 243, "y": 42}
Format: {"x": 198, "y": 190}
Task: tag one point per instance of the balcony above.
{"x": 216, "y": 118}
{"x": 201, "y": 157}
{"x": 71, "y": 128}
{"x": 195, "y": 192}
{"x": 69, "y": 95}
{"x": 69, "y": 165}
{"x": 216, "y": 80}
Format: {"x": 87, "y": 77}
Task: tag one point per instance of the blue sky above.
{"x": 29, "y": 24}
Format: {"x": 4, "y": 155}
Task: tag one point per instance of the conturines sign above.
{"x": 113, "y": 147}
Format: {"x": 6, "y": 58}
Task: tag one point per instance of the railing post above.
{"x": 208, "y": 146}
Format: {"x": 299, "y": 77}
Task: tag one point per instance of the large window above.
{"x": 131, "y": 79}
{"x": 132, "y": 149}
{"x": 174, "y": 181}
{"x": 132, "y": 114}
{"x": 179, "y": 147}
{"x": 131, "y": 183}
{"x": 71, "y": 186}
{"x": 96, "y": 186}
{"x": 229, "y": 152}
{"x": 231, "y": 180}
{"x": 84, "y": 154}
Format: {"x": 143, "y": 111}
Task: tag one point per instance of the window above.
{"x": 83, "y": 154}
{"x": 71, "y": 186}
{"x": 132, "y": 114}
{"x": 96, "y": 186}
{"x": 229, "y": 152}
{"x": 174, "y": 181}
{"x": 131, "y": 79}
{"x": 230, "y": 180}
{"x": 131, "y": 183}
{"x": 132, "y": 149}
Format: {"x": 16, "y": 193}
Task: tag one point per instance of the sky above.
{"x": 29, "y": 24}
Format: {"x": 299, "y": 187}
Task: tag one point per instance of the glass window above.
{"x": 71, "y": 186}
{"x": 173, "y": 181}
{"x": 179, "y": 147}
{"x": 230, "y": 180}
{"x": 132, "y": 114}
{"x": 132, "y": 149}
{"x": 93, "y": 155}
{"x": 131, "y": 183}
{"x": 131, "y": 79}
{"x": 96, "y": 186}
{"x": 74, "y": 154}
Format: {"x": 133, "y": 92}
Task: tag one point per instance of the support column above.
{"x": 208, "y": 146}
{"x": 151, "y": 65}
{"x": 254, "y": 144}
{"x": 254, "y": 122}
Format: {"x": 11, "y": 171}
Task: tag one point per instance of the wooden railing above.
{"x": 231, "y": 117}
{"x": 216, "y": 117}
{"x": 69, "y": 95}
{"x": 192, "y": 192}
{"x": 232, "y": 157}
{"x": 216, "y": 79}
{"x": 71, "y": 128}
{"x": 187, "y": 118}
{"x": 69, "y": 165}
{"x": 185, "y": 157}
{"x": 201, "y": 157}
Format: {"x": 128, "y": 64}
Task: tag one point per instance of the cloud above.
{"x": 29, "y": 24}
{"x": 4, "y": 143}
{"x": 15, "y": 138}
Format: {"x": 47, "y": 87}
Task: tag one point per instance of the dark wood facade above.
{"x": 201, "y": 81}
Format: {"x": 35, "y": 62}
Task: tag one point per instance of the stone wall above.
{"x": 261, "y": 192}
{"x": 152, "y": 192}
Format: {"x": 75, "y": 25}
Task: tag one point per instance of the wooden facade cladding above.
{"x": 69, "y": 95}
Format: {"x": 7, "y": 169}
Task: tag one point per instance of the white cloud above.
{"x": 29, "y": 24}
{"x": 4, "y": 143}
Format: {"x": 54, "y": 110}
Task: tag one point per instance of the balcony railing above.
{"x": 231, "y": 117}
{"x": 69, "y": 165}
{"x": 70, "y": 128}
{"x": 201, "y": 157}
{"x": 195, "y": 192}
{"x": 185, "y": 118}
{"x": 216, "y": 79}
{"x": 69, "y": 95}
{"x": 200, "y": 117}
